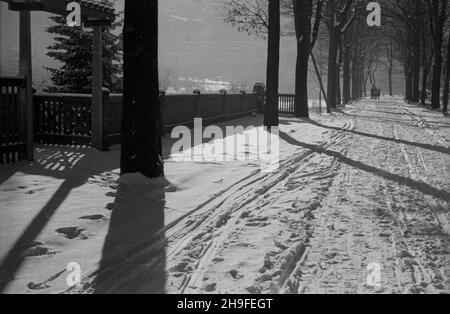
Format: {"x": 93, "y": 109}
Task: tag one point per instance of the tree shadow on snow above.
{"x": 134, "y": 255}
{"x": 420, "y": 186}
{"x": 439, "y": 149}
{"x": 73, "y": 165}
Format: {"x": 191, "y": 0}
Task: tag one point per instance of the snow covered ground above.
{"x": 364, "y": 186}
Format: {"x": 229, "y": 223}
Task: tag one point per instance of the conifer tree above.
{"x": 72, "y": 47}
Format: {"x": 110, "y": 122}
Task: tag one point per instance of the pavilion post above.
{"x": 1, "y": 4}
{"x": 97, "y": 85}
{"x": 26, "y": 95}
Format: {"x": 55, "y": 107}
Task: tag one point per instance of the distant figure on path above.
{"x": 375, "y": 92}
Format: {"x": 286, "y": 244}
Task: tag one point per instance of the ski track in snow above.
{"x": 322, "y": 220}
{"x": 375, "y": 219}
{"x": 198, "y": 241}
{"x": 374, "y": 191}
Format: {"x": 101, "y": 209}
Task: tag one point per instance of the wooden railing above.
{"x": 12, "y": 144}
{"x": 65, "y": 119}
{"x": 286, "y": 104}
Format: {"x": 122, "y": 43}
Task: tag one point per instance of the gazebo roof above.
{"x": 92, "y": 11}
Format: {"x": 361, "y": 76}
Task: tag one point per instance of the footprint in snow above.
{"x": 93, "y": 217}
{"x": 73, "y": 233}
{"x": 170, "y": 189}
{"x": 111, "y": 194}
{"x": 210, "y": 287}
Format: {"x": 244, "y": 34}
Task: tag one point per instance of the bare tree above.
{"x": 303, "y": 12}
{"x": 252, "y": 17}
{"x": 427, "y": 60}
{"x": 338, "y": 16}
{"x": 390, "y": 64}
{"x": 348, "y": 44}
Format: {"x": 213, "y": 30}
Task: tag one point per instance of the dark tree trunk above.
{"x": 303, "y": 16}
{"x": 332, "y": 69}
{"x": 141, "y": 124}
{"x": 347, "y": 76}
{"x": 423, "y": 98}
{"x": 416, "y": 70}
{"x": 390, "y": 59}
{"x": 319, "y": 78}
{"x": 437, "y": 76}
{"x": 438, "y": 19}
{"x": 391, "y": 90}
{"x": 339, "y": 19}
{"x": 416, "y": 36}
{"x": 409, "y": 79}
{"x": 273, "y": 64}
{"x": 363, "y": 90}
{"x": 338, "y": 76}
{"x": 338, "y": 85}
{"x": 355, "y": 77}
{"x": 447, "y": 81}
{"x": 425, "y": 73}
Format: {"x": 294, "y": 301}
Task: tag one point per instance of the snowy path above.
{"x": 373, "y": 192}
{"x": 332, "y": 211}
{"x": 388, "y": 206}
{"x": 233, "y": 237}
{"x": 364, "y": 186}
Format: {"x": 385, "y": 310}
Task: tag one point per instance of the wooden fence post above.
{"x": 26, "y": 98}
{"x": 106, "y": 116}
{"x": 224, "y": 103}
{"x": 97, "y": 83}
{"x": 244, "y": 101}
{"x": 162, "y": 110}
{"x": 198, "y": 104}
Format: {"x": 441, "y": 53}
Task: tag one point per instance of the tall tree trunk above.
{"x": 426, "y": 61}
{"x": 319, "y": 78}
{"x": 423, "y": 97}
{"x": 437, "y": 76}
{"x": 390, "y": 59}
{"x": 355, "y": 77}
{"x": 273, "y": 64}
{"x": 438, "y": 19}
{"x": 409, "y": 67}
{"x": 391, "y": 89}
{"x": 303, "y": 16}
{"x": 141, "y": 124}
{"x": 332, "y": 69}
{"x": 416, "y": 36}
{"x": 347, "y": 76}
{"x": 409, "y": 79}
{"x": 338, "y": 76}
{"x": 363, "y": 79}
{"x": 416, "y": 70}
{"x": 447, "y": 81}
